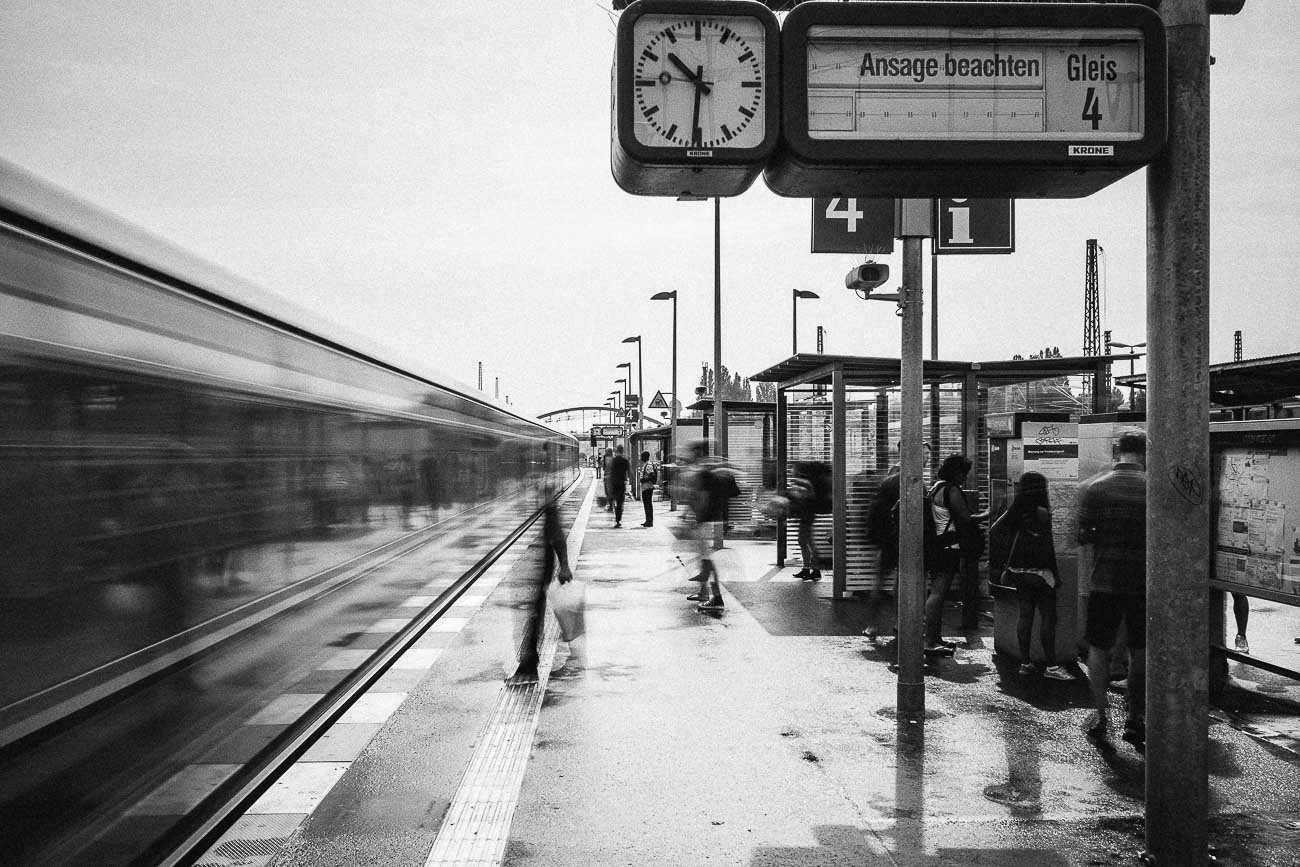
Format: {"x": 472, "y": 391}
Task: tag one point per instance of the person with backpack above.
{"x": 1021, "y": 547}
{"x": 810, "y": 496}
{"x": 648, "y": 477}
{"x": 958, "y": 541}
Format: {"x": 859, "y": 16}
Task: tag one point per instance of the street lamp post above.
{"x": 794, "y": 317}
{"x": 672, "y": 433}
{"x": 719, "y": 412}
{"x": 626, "y": 382}
{"x": 640, "y": 380}
{"x": 1132, "y": 356}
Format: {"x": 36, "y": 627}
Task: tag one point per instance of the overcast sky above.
{"x": 435, "y": 178}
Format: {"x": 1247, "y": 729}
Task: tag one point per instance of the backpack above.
{"x": 932, "y": 541}
{"x": 939, "y": 538}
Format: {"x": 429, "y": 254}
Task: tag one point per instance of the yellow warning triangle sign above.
{"x": 658, "y": 402}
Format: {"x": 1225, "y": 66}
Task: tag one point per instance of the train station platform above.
{"x": 764, "y": 734}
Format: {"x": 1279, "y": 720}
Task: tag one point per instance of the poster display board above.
{"x": 1256, "y": 472}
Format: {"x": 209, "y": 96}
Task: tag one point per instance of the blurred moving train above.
{"x": 181, "y": 461}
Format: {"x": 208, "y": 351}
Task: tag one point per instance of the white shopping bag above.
{"x": 569, "y": 602}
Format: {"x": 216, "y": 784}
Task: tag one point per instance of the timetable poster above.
{"x": 1257, "y": 542}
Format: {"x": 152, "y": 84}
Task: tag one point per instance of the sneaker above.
{"x": 1027, "y": 668}
{"x": 940, "y": 649}
{"x": 617, "y": 524}
{"x": 814, "y": 575}
{"x": 802, "y": 575}
{"x": 1242, "y": 645}
{"x": 695, "y": 597}
{"x": 1058, "y": 672}
{"x": 713, "y": 603}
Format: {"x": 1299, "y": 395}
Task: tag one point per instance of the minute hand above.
{"x": 696, "y": 79}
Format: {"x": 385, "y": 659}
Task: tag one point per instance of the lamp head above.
{"x": 636, "y": 339}
{"x": 805, "y": 293}
{"x": 664, "y": 296}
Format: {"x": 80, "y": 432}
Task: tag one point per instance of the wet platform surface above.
{"x": 764, "y": 735}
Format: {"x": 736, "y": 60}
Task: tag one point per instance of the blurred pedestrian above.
{"x": 713, "y": 483}
{"x": 648, "y": 477}
{"x": 555, "y": 552}
{"x": 1021, "y": 547}
{"x": 882, "y": 520}
{"x": 810, "y": 495}
{"x": 606, "y": 463}
{"x": 1112, "y": 522}
{"x": 616, "y": 479}
{"x": 960, "y": 541}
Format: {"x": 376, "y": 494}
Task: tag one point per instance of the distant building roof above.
{"x": 1241, "y": 383}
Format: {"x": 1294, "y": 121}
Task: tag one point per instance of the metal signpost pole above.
{"x": 1178, "y": 451}
{"x": 914, "y": 222}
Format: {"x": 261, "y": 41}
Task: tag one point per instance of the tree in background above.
{"x": 733, "y": 387}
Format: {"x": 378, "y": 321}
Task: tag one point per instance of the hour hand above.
{"x": 695, "y": 78}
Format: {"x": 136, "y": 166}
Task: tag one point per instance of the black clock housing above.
{"x": 701, "y": 170}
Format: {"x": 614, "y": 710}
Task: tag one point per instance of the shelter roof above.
{"x": 706, "y": 405}
{"x": 873, "y": 372}
{"x": 1240, "y": 383}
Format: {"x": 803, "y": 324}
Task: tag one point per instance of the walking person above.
{"x": 713, "y": 483}
{"x": 555, "y": 552}
{"x": 1112, "y": 523}
{"x": 648, "y": 477}
{"x": 882, "y": 520}
{"x": 958, "y": 545}
{"x": 607, "y": 463}
{"x": 616, "y": 481}
{"x": 1021, "y": 543}
{"x": 810, "y": 496}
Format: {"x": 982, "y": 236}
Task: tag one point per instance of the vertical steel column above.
{"x": 911, "y": 572}
{"x": 1178, "y": 451}
{"x": 839, "y": 483}
{"x": 970, "y": 420}
{"x": 719, "y": 414}
{"x": 782, "y": 459}
{"x": 934, "y": 356}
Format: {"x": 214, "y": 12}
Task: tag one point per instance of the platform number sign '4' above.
{"x": 1092, "y": 107}
{"x": 975, "y": 226}
{"x": 842, "y": 225}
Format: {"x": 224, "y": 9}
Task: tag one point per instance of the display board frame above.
{"x": 1238, "y": 441}
{"x": 1054, "y": 164}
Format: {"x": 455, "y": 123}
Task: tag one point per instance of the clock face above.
{"x": 698, "y": 81}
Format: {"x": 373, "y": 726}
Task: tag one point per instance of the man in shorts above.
{"x": 1112, "y": 520}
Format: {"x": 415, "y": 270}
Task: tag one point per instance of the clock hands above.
{"x": 697, "y": 135}
{"x": 696, "y": 78}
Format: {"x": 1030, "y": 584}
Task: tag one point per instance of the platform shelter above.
{"x": 845, "y": 411}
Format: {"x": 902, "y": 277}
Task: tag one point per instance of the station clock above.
{"x": 696, "y": 91}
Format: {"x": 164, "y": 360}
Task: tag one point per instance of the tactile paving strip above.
{"x": 477, "y": 825}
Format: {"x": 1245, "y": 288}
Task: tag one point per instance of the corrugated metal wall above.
{"x": 871, "y": 449}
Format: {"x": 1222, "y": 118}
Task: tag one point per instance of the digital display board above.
{"x": 991, "y": 83}
{"x": 983, "y": 100}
